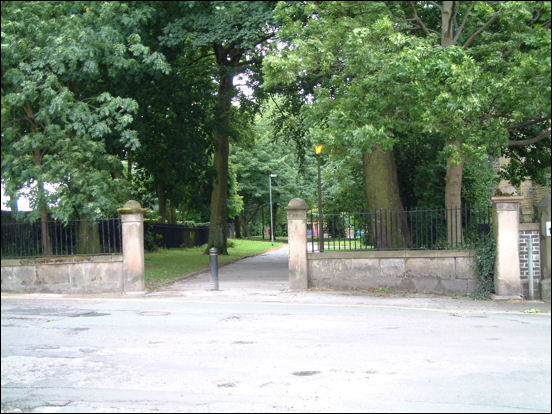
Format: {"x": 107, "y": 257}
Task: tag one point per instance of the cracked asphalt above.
{"x": 256, "y": 346}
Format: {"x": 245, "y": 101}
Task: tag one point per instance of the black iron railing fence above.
{"x": 433, "y": 229}
{"x": 175, "y": 235}
{"x": 24, "y": 239}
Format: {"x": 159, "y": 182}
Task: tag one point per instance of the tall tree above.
{"x": 234, "y": 35}
{"x": 509, "y": 44}
{"x": 386, "y": 72}
{"x": 57, "y": 114}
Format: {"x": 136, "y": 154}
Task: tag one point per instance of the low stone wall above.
{"x": 433, "y": 271}
{"x": 70, "y": 274}
{"x": 84, "y": 273}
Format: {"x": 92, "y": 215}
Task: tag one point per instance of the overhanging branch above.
{"x": 422, "y": 25}
{"x": 525, "y": 142}
{"x": 481, "y": 30}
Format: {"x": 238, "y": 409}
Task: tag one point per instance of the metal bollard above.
{"x": 213, "y": 263}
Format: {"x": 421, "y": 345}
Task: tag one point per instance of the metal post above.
{"x": 320, "y": 216}
{"x": 213, "y": 263}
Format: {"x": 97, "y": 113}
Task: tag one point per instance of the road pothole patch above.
{"x": 305, "y": 373}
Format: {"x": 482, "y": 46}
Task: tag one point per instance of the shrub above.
{"x": 485, "y": 256}
{"x": 151, "y": 241}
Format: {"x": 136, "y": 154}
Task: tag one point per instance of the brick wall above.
{"x": 526, "y": 232}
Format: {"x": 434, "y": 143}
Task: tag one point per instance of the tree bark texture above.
{"x": 42, "y": 205}
{"x": 89, "y": 236}
{"x": 219, "y": 194}
{"x": 388, "y": 226}
{"x": 453, "y": 199}
{"x": 162, "y": 201}
{"x": 217, "y": 227}
{"x": 237, "y": 227}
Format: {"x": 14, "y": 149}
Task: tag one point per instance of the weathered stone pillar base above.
{"x": 506, "y": 229}
{"x": 132, "y": 222}
{"x": 297, "y": 242}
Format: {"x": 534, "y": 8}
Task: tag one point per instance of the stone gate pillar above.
{"x": 132, "y": 223}
{"x": 507, "y": 279}
{"x": 297, "y": 242}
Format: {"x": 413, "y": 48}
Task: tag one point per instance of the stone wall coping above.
{"x": 63, "y": 260}
{"x": 507, "y": 199}
{"x": 389, "y": 254}
{"x": 529, "y": 226}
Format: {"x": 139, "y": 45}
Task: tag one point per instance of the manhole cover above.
{"x": 89, "y": 314}
{"x": 153, "y": 313}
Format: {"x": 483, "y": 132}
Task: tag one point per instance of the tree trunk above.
{"x": 453, "y": 200}
{"x": 42, "y": 204}
{"x": 162, "y": 201}
{"x": 453, "y": 179}
{"x": 217, "y": 227}
{"x": 46, "y": 240}
{"x": 219, "y": 195}
{"x": 172, "y": 215}
{"x": 89, "y": 236}
{"x": 388, "y": 227}
{"x": 447, "y": 19}
{"x": 245, "y": 225}
{"x": 237, "y": 227}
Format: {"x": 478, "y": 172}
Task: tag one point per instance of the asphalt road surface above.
{"x": 177, "y": 355}
{"x": 248, "y": 349}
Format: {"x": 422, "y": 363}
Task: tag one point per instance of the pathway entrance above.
{"x": 263, "y": 274}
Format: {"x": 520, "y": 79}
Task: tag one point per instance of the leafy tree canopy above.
{"x": 57, "y": 112}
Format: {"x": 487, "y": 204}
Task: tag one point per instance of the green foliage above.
{"x": 151, "y": 241}
{"x": 364, "y": 76}
{"x": 59, "y": 112}
{"x": 485, "y": 257}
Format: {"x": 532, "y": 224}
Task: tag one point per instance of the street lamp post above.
{"x": 270, "y": 176}
{"x": 318, "y": 149}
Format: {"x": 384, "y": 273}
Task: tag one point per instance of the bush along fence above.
{"x": 78, "y": 257}
{"x": 420, "y": 250}
{"x": 174, "y": 235}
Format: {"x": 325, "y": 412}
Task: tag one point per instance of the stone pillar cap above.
{"x": 506, "y": 199}
{"x": 297, "y": 204}
{"x": 131, "y": 207}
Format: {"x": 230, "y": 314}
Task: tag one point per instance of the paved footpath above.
{"x": 255, "y": 346}
{"x": 265, "y": 278}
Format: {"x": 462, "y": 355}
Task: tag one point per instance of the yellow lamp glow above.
{"x": 318, "y": 149}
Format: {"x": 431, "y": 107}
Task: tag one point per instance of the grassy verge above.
{"x": 167, "y": 264}
{"x": 279, "y": 239}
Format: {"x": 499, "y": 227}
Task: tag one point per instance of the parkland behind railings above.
{"x": 421, "y": 229}
{"x": 21, "y": 239}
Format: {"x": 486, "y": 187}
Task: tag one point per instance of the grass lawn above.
{"x": 167, "y": 264}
